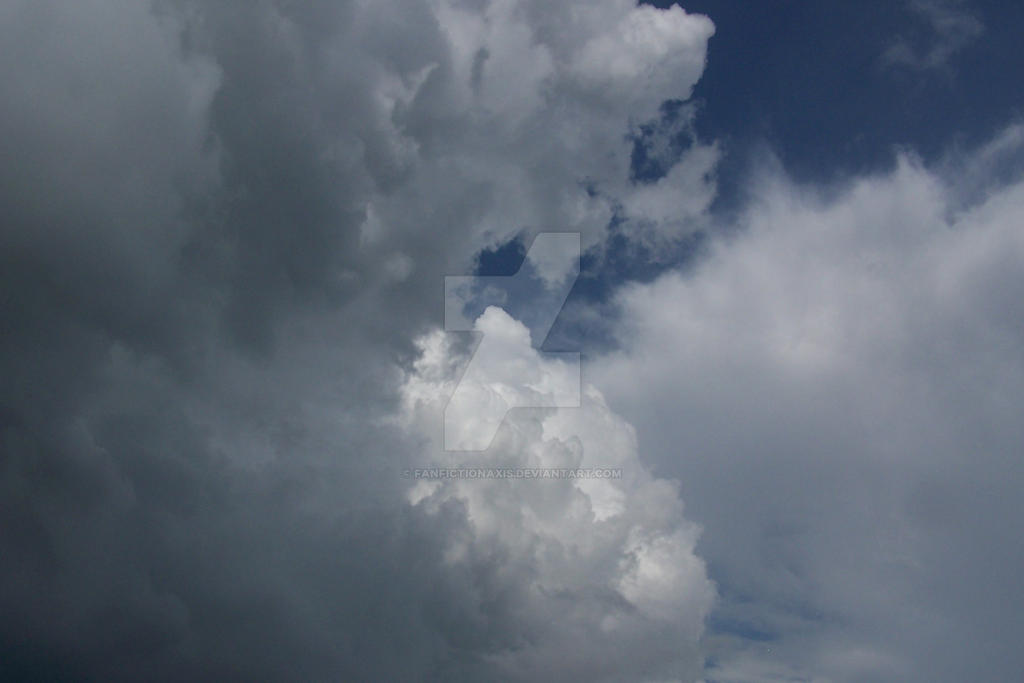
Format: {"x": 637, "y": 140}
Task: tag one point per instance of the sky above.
{"x": 752, "y": 272}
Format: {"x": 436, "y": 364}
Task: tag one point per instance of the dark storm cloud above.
{"x": 161, "y": 208}
{"x": 223, "y": 227}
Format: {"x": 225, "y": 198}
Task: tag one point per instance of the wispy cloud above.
{"x": 950, "y": 28}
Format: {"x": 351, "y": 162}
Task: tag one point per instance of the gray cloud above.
{"x": 224, "y": 227}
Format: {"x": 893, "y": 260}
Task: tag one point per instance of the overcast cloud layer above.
{"x": 225, "y": 230}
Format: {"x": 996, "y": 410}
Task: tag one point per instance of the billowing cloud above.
{"x": 225, "y": 233}
{"x": 599, "y": 571}
{"x": 837, "y": 387}
{"x": 224, "y": 227}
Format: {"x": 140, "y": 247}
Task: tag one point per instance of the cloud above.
{"x": 836, "y": 389}
{"x": 951, "y": 28}
{"x": 599, "y": 578}
{"x": 226, "y": 230}
{"x": 521, "y": 126}
{"x": 224, "y": 227}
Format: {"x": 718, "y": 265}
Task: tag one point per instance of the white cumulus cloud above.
{"x": 602, "y": 568}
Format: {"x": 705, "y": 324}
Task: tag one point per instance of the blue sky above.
{"x": 811, "y": 81}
